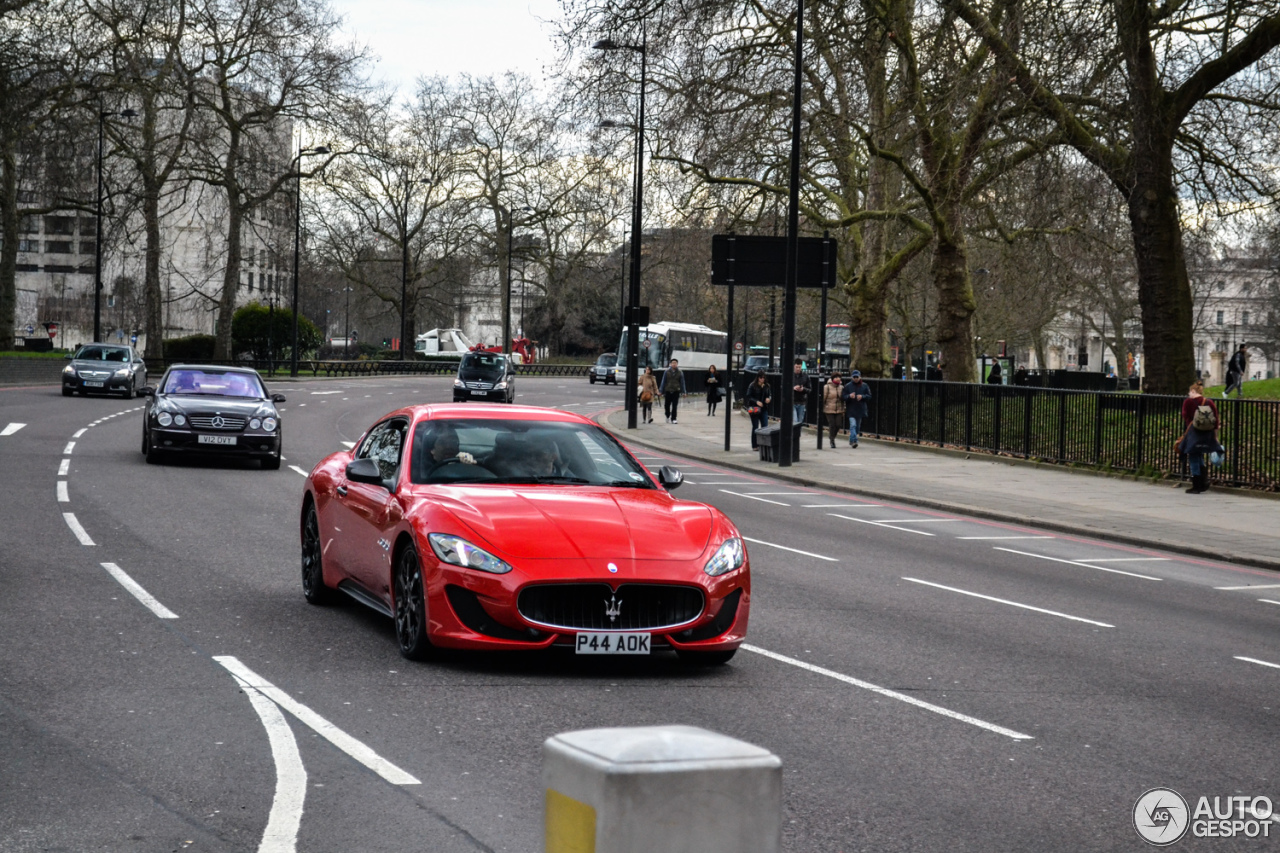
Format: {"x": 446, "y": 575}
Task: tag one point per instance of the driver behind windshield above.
{"x": 445, "y": 451}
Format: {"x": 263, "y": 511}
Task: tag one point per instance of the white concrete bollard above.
{"x": 660, "y": 789}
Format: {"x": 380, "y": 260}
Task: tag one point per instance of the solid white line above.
{"x": 762, "y": 500}
{"x": 70, "y": 519}
{"x": 916, "y": 520}
{"x": 1005, "y": 537}
{"x": 285, "y": 818}
{"x": 753, "y": 494}
{"x": 1011, "y": 603}
{"x": 63, "y": 497}
{"x": 1126, "y": 560}
{"x": 63, "y": 467}
{"x": 319, "y": 724}
{"x": 1078, "y": 563}
{"x": 1255, "y": 586}
{"x": 792, "y": 550}
{"x": 1259, "y": 662}
{"x": 1268, "y": 601}
{"x": 299, "y": 470}
{"x": 837, "y": 506}
{"x": 79, "y": 432}
{"x": 878, "y": 524}
{"x": 71, "y": 445}
{"x": 135, "y": 589}
{"x": 892, "y": 694}
{"x": 11, "y": 429}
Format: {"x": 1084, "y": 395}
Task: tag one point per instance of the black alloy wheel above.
{"x": 411, "y": 607}
{"x": 145, "y": 440}
{"x": 313, "y": 588}
{"x": 154, "y": 454}
{"x": 705, "y": 658}
{"x": 272, "y": 463}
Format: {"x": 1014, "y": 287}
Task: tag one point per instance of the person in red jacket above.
{"x": 1200, "y": 415}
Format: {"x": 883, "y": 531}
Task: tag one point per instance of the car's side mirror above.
{"x": 277, "y": 398}
{"x": 147, "y": 391}
{"x": 670, "y": 478}
{"x": 364, "y": 471}
{"x": 69, "y": 356}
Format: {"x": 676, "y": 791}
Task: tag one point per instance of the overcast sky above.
{"x": 425, "y": 37}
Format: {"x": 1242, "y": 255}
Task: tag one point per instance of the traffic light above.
{"x": 386, "y": 342}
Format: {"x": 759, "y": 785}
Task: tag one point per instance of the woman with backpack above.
{"x": 1200, "y": 414}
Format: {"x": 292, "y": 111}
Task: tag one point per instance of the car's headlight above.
{"x": 728, "y": 557}
{"x": 124, "y": 371}
{"x": 269, "y": 424}
{"x": 460, "y": 552}
{"x": 164, "y": 419}
{"x": 255, "y": 423}
{"x": 180, "y": 419}
{"x": 500, "y": 385}
{"x": 68, "y": 371}
{"x": 458, "y": 383}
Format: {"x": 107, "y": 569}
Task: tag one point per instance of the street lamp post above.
{"x": 793, "y": 248}
{"x": 103, "y": 115}
{"x": 633, "y": 297}
{"x": 297, "y": 246}
{"x": 506, "y": 291}
{"x": 346, "y": 335}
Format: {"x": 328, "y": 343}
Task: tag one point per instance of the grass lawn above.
{"x": 28, "y": 354}
{"x": 1259, "y": 389}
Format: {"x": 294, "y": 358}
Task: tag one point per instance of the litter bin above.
{"x": 767, "y": 439}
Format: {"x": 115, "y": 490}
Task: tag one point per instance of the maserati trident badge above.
{"x": 613, "y": 608}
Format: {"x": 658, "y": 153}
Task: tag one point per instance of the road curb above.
{"x": 1189, "y": 548}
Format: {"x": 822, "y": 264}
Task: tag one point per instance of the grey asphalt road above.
{"x": 931, "y": 682}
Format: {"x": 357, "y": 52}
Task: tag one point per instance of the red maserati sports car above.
{"x": 521, "y": 528}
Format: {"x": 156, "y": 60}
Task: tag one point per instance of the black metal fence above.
{"x": 1121, "y": 431}
{"x": 315, "y": 367}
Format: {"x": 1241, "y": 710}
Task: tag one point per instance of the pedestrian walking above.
{"x": 648, "y": 392}
{"x": 757, "y": 400}
{"x": 995, "y": 376}
{"x": 832, "y": 409}
{"x": 799, "y": 393}
{"x": 1200, "y": 414}
{"x": 856, "y": 395}
{"x": 673, "y": 389}
{"x": 1237, "y": 369}
{"x": 713, "y": 390}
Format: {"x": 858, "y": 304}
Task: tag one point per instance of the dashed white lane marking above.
{"x": 978, "y": 538}
{"x": 1268, "y": 601}
{"x": 917, "y": 520}
{"x": 63, "y": 467}
{"x": 319, "y": 724}
{"x": 752, "y": 497}
{"x": 71, "y": 445}
{"x": 285, "y": 818}
{"x": 11, "y": 429}
{"x": 880, "y": 524}
{"x": 756, "y": 494}
{"x": 836, "y": 506}
{"x": 1258, "y": 662}
{"x": 79, "y": 432}
{"x": 1078, "y": 563}
{"x": 1125, "y": 559}
{"x": 1254, "y": 586}
{"x": 891, "y": 694}
{"x": 322, "y": 393}
{"x": 792, "y": 550}
{"x": 70, "y": 519}
{"x": 299, "y": 470}
{"x": 63, "y": 497}
{"x": 135, "y": 589}
{"x": 1011, "y": 603}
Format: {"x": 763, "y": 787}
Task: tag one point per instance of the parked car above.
{"x": 755, "y": 363}
{"x": 104, "y": 369}
{"x": 206, "y": 409}
{"x": 521, "y": 529}
{"x": 485, "y": 376}
{"x": 605, "y": 369}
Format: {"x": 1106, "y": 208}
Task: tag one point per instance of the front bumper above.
{"x": 111, "y": 385}
{"x": 465, "y": 395}
{"x": 248, "y": 444}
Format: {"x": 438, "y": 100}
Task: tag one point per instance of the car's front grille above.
{"x": 226, "y": 422}
{"x": 598, "y": 607}
{"x": 95, "y": 374}
{"x": 480, "y": 386}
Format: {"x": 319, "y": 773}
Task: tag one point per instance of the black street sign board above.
{"x": 754, "y": 261}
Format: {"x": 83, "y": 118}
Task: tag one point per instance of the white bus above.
{"x": 695, "y": 346}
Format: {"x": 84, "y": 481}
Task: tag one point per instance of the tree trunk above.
{"x": 1164, "y": 293}
{"x": 8, "y": 244}
{"x": 956, "y": 304}
{"x": 230, "y": 276}
{"x": 152, "y": 299}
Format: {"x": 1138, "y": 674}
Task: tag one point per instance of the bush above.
{"x": 256, "y": 331}
{"x": 192, "y": 348}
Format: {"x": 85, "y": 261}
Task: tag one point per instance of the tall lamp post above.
{"x": 506, "y": 291}
{"x": 609, "y": 124}
{"x": 404, "y": 268}
{"x": 633, "y": 296}
{"x": 793, "y": 247}
{"x": 103, "y": 115}
{"x": 297, "y": 246}
{"x": 346, "y": 333}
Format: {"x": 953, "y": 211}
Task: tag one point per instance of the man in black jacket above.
{"x": 856, "y": 395}
{"x": 1236, "y": 370}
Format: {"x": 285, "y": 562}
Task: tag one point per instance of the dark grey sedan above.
{"x": 104, "y": 369}
{"x": 208, "y": 409}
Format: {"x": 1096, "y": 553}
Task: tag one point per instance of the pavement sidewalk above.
{"x": 1221, "y": 525}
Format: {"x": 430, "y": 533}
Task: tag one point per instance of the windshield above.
{"x": 607, "y": 360}
{"x": 482, "y": 364}
{"x": 102, "y": 354}
{"x": 459, "y": 450}
{"x": 652, "y": 350}
{"x": 213, "y": 383}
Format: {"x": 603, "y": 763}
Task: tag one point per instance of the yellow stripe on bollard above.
{"x": 571, "y": 825}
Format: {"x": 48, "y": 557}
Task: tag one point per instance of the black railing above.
{"x": 370, "y": 367}
{"x": 1124, "y": 432}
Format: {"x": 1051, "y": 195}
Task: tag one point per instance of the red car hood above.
{"x": 594, "y": 523}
